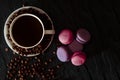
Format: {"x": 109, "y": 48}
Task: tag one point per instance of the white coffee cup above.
{"x": 44, "y": 32}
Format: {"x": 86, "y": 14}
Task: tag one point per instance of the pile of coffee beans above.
{"x": 25, "y": 52}
{"x": 22, "y": 68}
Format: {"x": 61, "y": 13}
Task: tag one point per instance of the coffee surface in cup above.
{"x": 27, "y": 31}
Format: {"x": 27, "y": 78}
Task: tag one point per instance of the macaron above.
{"x": 75, "y": 46}
{"x": 66, "y": 36}
{"x": 78, "y": 58}
{"x": 63, "y": 54}
{"x": 83, "y": 36}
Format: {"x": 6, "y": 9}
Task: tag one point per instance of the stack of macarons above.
{"x": 73, "y": 46}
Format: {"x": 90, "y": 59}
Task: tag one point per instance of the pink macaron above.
{"x": 83, "y": 36}
{"x": 78, "y": 58}
{"x": 66, "y": 36}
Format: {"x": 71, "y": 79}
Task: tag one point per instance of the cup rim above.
{"x": 11, "y": 26}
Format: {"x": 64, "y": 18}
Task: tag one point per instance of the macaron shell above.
{"x": 66, "y": 36}
{"x": 78, "y": 58}
{"x": 77, "y": 39}
{"x": 75, "y": 46}
{"x": 83, "y": 35}
{"x": 63, "y": 54}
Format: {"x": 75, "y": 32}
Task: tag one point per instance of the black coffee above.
{"x": 27, "y": 31}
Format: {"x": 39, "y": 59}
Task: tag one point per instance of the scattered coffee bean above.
{"x": 9, "y": 38}
{"x": 49, "y": 78}
{"x": 51, "y": 73}
{"x": 8, "y": 25}
{"x": 54, "y": 52}
{"x": 46, "y": 63}
{"x": 6, "y": 49}
{"x": 43, "y": 76}
{"x": 53, "y": 76}
{"x": 58, "y": 66}
{"x": 50, "y": 60}
{"x": 49, "y": 70}
{"x": 21, "y": 78}
{"x": 32, "y": 76}
{"x": 38, "y": 60}
{"x": 25, "y": 62}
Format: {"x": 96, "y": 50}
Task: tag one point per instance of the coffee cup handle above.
{"x": 49, "y": 32}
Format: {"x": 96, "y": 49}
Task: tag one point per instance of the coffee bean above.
{"x": 43, "y": 76}
{"x": 49, "y": 70}
{"x": 6, "y": 49}
{"x": 10, "y": 75}
{"x": 38, "y": 60}
{"x": 54, "y": 52}
{"x": 21, "y": 78}
{"x": 10, "y": 64}
{"x": 22, "y": 61}
{"x": 32, "y": 76}
{"x": 58, "y": 66}
{"x": 15, "y": 15}
{"x": 8, "y": 72}
{"x": 49, "y": 78}
{"x": 15, "y": 59}
{"x": 26, "y": 62}
{"x": 15, "y": 63}
{"x": 50, "y": 60}
{"x": 10, "y": 20}
{"x": 15, "y": 79}
{"x": 13, "y": 52}
{"x": 43, "y": 69}
{"x": 32, "y": 66}
{"x": 8, "y": 25}
{"x": 53, "y": 76}
{"x": 27, "y": 73}
{"x": 9, "y": 38}
{"x": 46, "y": 63}
{"x": 19, "y": 71}
{"x": 10, "y": 67}
{"x": 26, "y": 50}
{"x": 39, "y": 46}
{"x": 11, "y": 60}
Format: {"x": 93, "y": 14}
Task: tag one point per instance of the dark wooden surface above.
{"x": 100, "y": 17}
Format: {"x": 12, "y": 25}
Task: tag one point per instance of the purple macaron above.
{"x": 83, "y": 36}
{"x": 75, "y": 46}
{"x": 78, "y": 58}
{"x": 66, "y": 36}
{"x": 63, "y": 54}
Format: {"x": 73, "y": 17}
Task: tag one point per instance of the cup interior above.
{"x": 27, "y": 30}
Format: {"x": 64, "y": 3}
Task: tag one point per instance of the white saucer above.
{"x": 48, "y": 24}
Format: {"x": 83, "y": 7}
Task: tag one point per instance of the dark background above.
{"x": 100, "y": 17}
